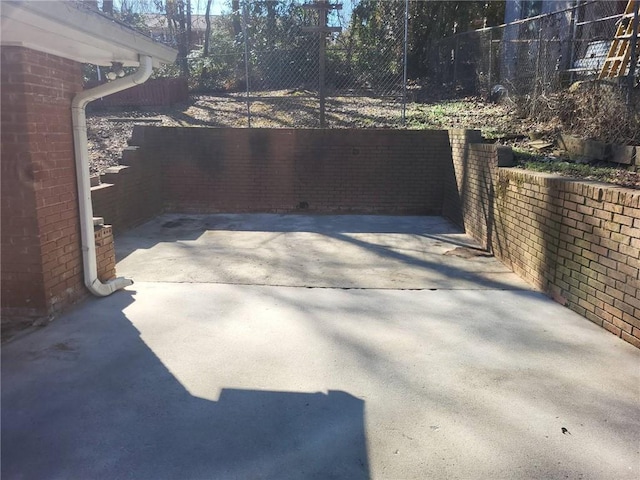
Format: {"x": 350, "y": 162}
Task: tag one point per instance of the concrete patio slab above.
{"x": 302, "y": 250}
{"x": 204, "y": 380}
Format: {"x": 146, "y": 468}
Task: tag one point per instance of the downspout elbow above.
{"x": 100, "y": 289}
{"x": 138, "y": 77}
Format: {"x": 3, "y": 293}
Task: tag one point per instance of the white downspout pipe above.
{"x": 78, "y": 105}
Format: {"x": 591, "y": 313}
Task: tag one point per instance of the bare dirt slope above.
{"x": 109, "y": 131}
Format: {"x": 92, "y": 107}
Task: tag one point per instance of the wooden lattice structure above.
{"x": 619, "y": 56}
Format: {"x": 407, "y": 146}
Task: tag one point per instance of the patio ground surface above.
{"x": 325, "y": 347}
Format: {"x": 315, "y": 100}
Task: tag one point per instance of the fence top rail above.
{"x": 526, "y": 20}
{"x": 603, "y": 19}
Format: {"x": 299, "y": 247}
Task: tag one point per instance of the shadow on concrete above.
{"x": 350, "y": 251}
{"x": 75, "y": 409}
{"x": 449, "y": 270}
{"x": 461, "y": 384}
{"x": 174, "y": 227}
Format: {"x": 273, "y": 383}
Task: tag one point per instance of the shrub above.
{"x": 593, "y": 109}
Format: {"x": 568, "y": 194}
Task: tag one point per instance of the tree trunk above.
{"x": 207, "y": 32}
{"x": 176, "y": 15}
{"x": 271, "y": 23}
{"x": 188, "y": 29}
{"x": 182, "y": 45}
{"x": 235, "y": 13}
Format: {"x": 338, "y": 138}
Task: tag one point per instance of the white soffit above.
{"x": 77, "y": 33}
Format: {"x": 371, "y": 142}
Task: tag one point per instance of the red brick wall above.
{"x": 105, "y": 253}
{"x": 282, "y": 170}
{"x": 578, "y": 241}
{"x": 41, "y": 256}
{"x": 21, "y": 274}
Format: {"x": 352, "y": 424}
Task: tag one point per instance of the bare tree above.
{"x": 188, "y": 21}
{"x": 177, "y": 21}
{"x": 235, "y": 12}
{"x": 207, "y": 32}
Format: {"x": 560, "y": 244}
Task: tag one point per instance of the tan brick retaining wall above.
{"x": 129, "y": 194}
{"x": 284, "y": 170}
{"x": 578, "y": 241}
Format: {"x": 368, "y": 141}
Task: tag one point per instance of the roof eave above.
{"x": 63, "y": 29}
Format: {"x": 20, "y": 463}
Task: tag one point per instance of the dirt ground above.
{"x": 110, "y": 130}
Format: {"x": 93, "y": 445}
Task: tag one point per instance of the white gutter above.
{"x": 67, "y": 29}
{"x": 78, "y": 105}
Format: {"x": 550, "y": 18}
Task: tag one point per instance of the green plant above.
{"x": 581, "y": 170}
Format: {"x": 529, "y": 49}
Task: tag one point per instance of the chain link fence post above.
{"x": 490, "y": 74}
{"x": 245, "y": 41}
{"x": 404, "y": 62}
{"x": 634, "y": 55}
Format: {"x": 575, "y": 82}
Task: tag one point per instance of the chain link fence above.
{"x": 294, "y": 64}
{"x": 294, "y": 67}
{"x": 548, "y": 66}
{"x": 342, "y": 63}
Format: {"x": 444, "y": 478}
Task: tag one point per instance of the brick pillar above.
{"x": 40, "y": 240}
{"x": 105, "y": 252}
